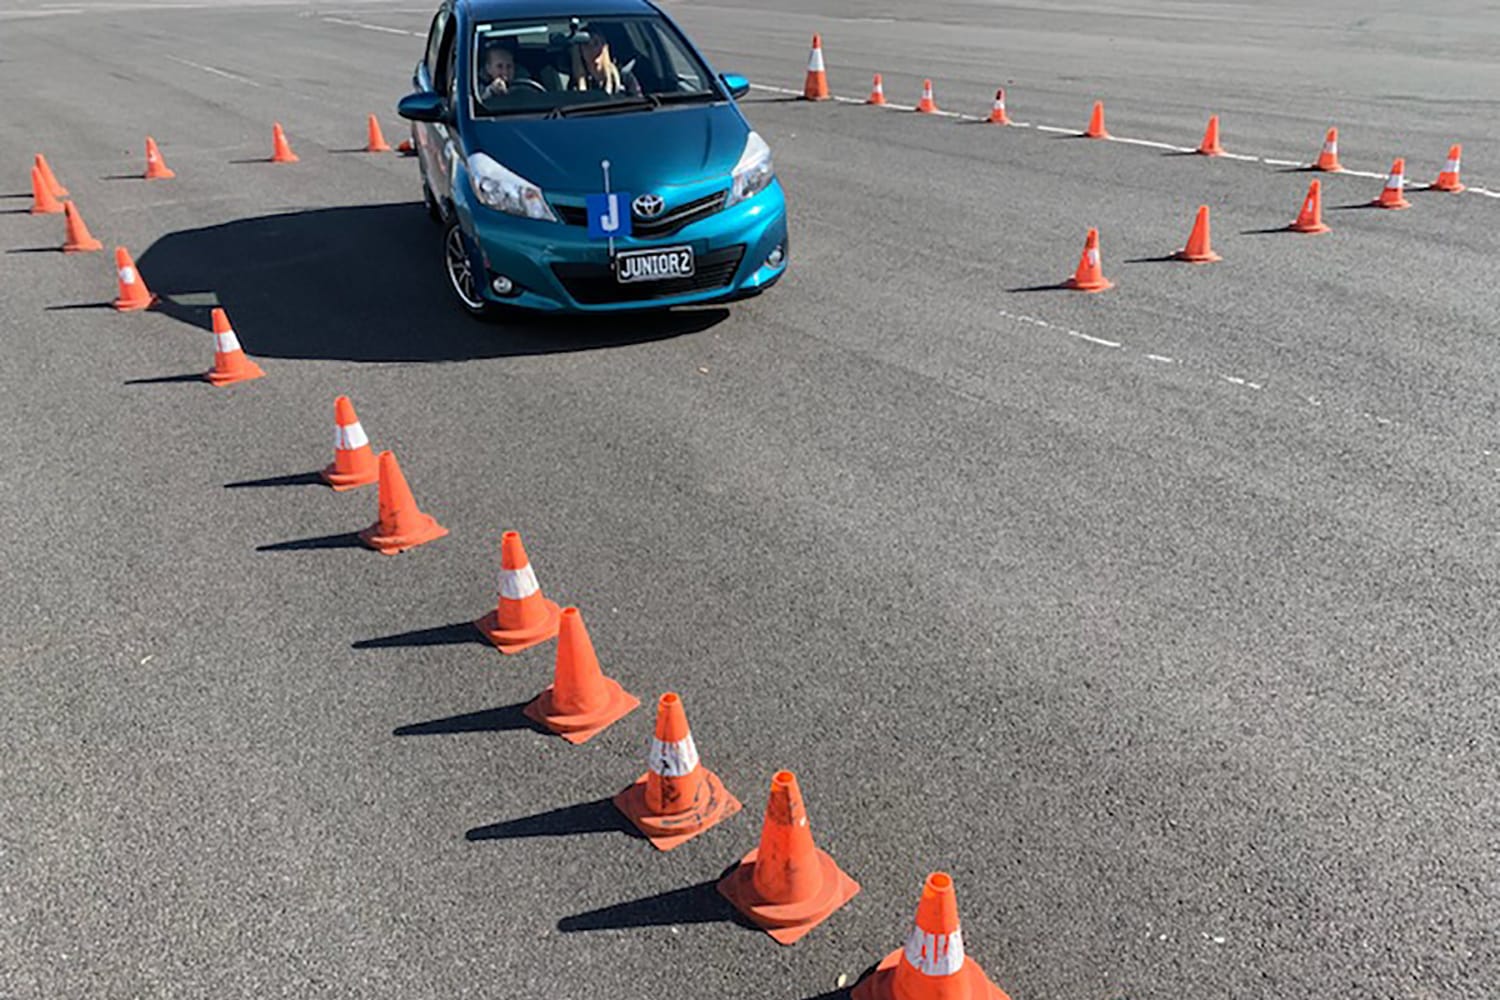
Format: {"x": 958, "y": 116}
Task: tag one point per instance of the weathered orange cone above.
{"x": 134, "y": 295}
{"x": 375, "y": 142}
{"x": 58, "y": 191}
{"x": 927, "y": 105}
{"x": 230, "y": 363}
{"x": 1198, "y": 249}
{"x": 997, "y": 111}
{"x": 677, "y": 798}
{"x": 787, "y": 885}
{"x": 281, "y": 150}
{"x": 156, "y": 167}
{"x": 877, "y": 91}
{"x": 522, "y": 616}
{"x": 581, "y": 702}
{"x": 1096, "y": 129}
{"x": 1090, "y": 274}
{"x": 932, "y": 965}
{"x": 1392, "y": 195}
{"x": 78, "y": 238}
{"x": 43, "y": 202}
{"x": 1310, "y": 218}
{"x": 400, "y": 524}
{"x": 1448, "y": 178}
{"x": 354, "y": 462}
{"x": 405, "y": 148}
{"x": 1328, "y": 159}
{"x": 816, "y": 86}
{"x": 1210, "y": 144}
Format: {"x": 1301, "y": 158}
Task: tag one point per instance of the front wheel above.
{"x": 462, "y": 277}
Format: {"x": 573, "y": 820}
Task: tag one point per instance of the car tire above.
{"x": 458, "y": 265}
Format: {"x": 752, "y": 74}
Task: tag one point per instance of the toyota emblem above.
{"x": 648, "y": 206}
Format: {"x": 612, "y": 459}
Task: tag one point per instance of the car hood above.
{"x": 646, "y": 150}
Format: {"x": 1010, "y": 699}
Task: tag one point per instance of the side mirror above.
{"x": 737, "y": 85}
{"x": 423, "y": 106}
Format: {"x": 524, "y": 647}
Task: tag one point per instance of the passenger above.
{"x": 594, "y": 69}
{"x": 499, "y": 72}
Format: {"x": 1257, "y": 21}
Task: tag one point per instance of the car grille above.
{"x": 595, "y": 284}
{"x": 665, "y": 224}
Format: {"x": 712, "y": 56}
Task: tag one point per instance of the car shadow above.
{"x": 363, "y": 283}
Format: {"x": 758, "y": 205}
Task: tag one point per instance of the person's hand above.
{"x": 496, "y": 88}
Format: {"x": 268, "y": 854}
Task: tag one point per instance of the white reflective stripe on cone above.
{"x": 815, "y": 61}
{"x": 673, "y": 760}
{"x": 1451, "y": 168}
{"x": 1330, "y": 147}
{"x": 518, "y": 584}
{"x": 935, "y": 954}
{"x": 1395, "y": 182}
{"x": 226, "y": 342}
{"x": 1093, "y": 256}
{"x": 127, "y": 275}
{"x": 349, "y": 438}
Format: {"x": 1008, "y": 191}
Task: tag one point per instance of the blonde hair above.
{"x": 611, "y": 82}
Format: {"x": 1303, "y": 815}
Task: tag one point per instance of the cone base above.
{"x": 161, "y": 175}
{"x": 515, "y": 640}
{"x": 584, "y": 726}
{"x": 666, "y": 831}
{"x": 1393, "y": 206}
{"x": 289, "y": 158}
{"x": 1317, "y": 229}
{"x": 1103, "y": 284}
{"x": 342, "y": 481}
{"x": 1101, "y": 134}
{"x": 1198, "y": 258}
{"x": 382, "y": 148}
{"x": 927, "y": 108}
{"x": 1450, "y": 188}
{"x": 998, "y": 121}
{"x": 59, "y": 210}
{"x": 90, "y": 246}
{"x": 1334, "y": 168}
{"x": 134, "y": 305}
{"x": 787, "y": 923}
{"x": 243, "y": 373}
{"x": 426, "y": 529}
{"x": 881, "y": 984}
{"x": 1210, "y": 151}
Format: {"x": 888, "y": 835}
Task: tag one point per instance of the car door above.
{"x": 438, "y": 73}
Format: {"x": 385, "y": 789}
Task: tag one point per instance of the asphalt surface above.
{"x": 1164, "y": 619}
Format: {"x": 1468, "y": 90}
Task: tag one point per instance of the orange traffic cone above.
{"x": 405, "y": 148}
{"x": 932, "y": 965}
{"x": 787, "y": 885}
{"x": 375, "y": 143}
{"x": 581, "y": 702}
{"x": 927, "y": 105}
{"x": 522, "y": 617}
{"x": 1328, "y": 159}
{"x": 997, "y": 112}
{"x": 134, "y": 295}
{"x": 230, "y": 363}
{"x": 1198, "y": 249}
{"x": 677, "y": 798}
{"x": 1096, "y": 129}
{"x": 1448, "y": 178}
{"x": 400, "y": 524}
{"x": 43, "y": 201}
{"x": 1392, "y": 196}
{"x": 58, "y": 191}
{"x": 1210, "y": 144}
{"x": 1310, "y": 218}
{"x": 281, "y": 150}
{"x": 156, "y": 167}
{"x": 78, "y": 239}
{"x": 354, "y": 462}
{"x": 877, "y": 91}
{"x": 816, "y": 86}
{"x": 1090, "y": 274}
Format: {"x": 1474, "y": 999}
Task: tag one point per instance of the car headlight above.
{"x": 506, "y": 191}
{"x": 753, "y": 172}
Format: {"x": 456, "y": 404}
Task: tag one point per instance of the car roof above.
{"x": 495, "y": 10}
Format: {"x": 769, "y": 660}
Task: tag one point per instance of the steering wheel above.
{"x": 533, "y": 84}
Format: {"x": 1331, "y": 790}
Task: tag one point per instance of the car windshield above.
{"x": 579, "y": 66}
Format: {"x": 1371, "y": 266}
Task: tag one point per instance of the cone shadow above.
{"x": 346, "y": 540}
{"x": 695, "y": 904}
{"x": 1266, "y": 232}
{"x": 457, "y": 634}
{"x": 297, "y": 479}
{"x": 36, "y": 250}
{"x": 123, "y": 177}
{"x": 21, "y": 211}
{"x": 169, "y": 379}
{"x": 598, "y": 816}
{"x": 75, "y": 306}
{"x": 492, "y": 720}
{"x": 1162, "y": 259}
{"x": 1056, "y": 286}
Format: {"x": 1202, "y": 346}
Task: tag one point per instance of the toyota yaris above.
{"x": 584, "y": 157}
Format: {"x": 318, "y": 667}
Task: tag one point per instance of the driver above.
{"x": 499, "y": 72}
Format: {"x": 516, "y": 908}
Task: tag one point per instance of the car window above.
{"x": 443, "y": 77}
{"x": 559, "y": 65}
{"x": 434, "y": 40}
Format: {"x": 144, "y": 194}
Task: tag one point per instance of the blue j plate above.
{"x": 609, "y": 214}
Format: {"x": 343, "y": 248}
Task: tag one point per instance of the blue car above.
{"x": 583, "y": 157}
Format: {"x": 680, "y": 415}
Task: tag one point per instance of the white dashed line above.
{"x": 215, "y": 71}
{"x": 373, "y": 27}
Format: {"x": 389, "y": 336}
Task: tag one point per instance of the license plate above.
{"x": 654, "y": 265}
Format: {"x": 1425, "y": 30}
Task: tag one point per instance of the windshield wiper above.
{"x": 678, "y": 97}
{"x": 642, "y": 102}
